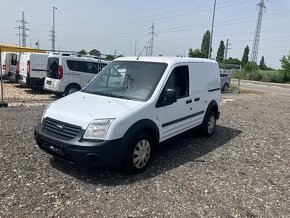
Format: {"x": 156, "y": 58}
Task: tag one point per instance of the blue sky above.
{"x": 109, "y": 25}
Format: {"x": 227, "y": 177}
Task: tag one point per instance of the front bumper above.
{"x": 79, "y": 152}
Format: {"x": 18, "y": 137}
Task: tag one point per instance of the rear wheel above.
{"x": 139, "y": 153}
{"x": 71, "y": 89}
{"x": 209, "y": 124}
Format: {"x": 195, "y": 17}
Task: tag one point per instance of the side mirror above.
{"x": 167, "y": 97}
{"x": 170, "y": 96}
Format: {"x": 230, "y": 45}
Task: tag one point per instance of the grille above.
{"x": 65, "y": 130}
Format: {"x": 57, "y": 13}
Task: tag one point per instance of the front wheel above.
{"x": 139, "y": 153}
{"x": 209, "y": 124}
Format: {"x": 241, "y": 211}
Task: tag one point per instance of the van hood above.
{"x": 81, "y": 108}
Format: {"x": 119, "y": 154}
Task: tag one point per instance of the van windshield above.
{"x": 133, "y": 80}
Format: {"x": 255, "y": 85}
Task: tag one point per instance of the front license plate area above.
{"x": 54, "y": 148}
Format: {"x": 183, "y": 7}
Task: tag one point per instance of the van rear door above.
{"x": 52, "y": 67}
{"x": 38, "y": 65}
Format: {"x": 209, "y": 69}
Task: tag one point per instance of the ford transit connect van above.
{"x": 68, "y": 73}
{"x": 130, "y": 107}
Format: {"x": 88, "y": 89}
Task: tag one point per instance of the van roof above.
{"x": 168, "y": 60}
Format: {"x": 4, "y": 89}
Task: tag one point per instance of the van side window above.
{"x": 179, "y": 80}
{"x": 75, "y": 65}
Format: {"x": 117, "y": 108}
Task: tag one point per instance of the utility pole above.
{"x": 53, "y": 30}
{"x": 152, "y": 33}
{"x": 255, "y": 48}
{"x": 211, "y": 34}
{"x": 227, "y": 48}
{"x": 18, "y": 34}
{"x": 23, "y": 29}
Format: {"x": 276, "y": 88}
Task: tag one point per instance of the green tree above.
{"x": 263, "y": 65}
{"x": 109, "y": 57}
{"x": 195, "y": 54}
{"x": 231, "y": 60}
{"x": 95, "y": 52}
{"x": 82, "y": 52}
{"x": 285, "y": 65}
{"x": 250, "y": 66}
{"x": 205, "y": 44}
{"x": 221, "y": 52}
{"x": 245, "y": 58}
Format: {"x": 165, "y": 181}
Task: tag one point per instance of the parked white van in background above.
{"x": 130, "y": 107}
{"x": 68, "y": 73}
{"x": 9, "y": 62}
{"x": 32, "y": 69}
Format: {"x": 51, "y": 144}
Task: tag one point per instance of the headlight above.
{"x": 98, "y": 129}
{"x": 42, "y": 117}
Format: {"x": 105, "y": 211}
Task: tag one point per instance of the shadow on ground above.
{"x": 188, "y": 147}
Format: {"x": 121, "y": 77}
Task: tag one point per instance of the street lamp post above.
{"x": 212, "y": 25}
{"x": 53, "y": 28}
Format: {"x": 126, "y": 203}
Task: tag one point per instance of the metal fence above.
{"x": 234, "y": 71}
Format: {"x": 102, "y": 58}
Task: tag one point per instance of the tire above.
{"x": 71, "y": 89}
{"x": 209, "y": 124}
{"x": 139, "y": 153}
{"x": 226, "y": 87}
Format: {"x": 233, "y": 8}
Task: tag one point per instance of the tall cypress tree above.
{"x": 221, "y": 52}
{"x": 245, "y": 58}
{"x": 205, "y": 44}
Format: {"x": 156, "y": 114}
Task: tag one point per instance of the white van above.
{"x": 68, "y": 73}
{"x": 32, "y": 69}
{"x": 130, "y": 107}
{"x": 9, "y": 62}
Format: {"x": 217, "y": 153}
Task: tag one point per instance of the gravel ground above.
{"x": 242, "y": 171}
{"x": 17, "y": 95}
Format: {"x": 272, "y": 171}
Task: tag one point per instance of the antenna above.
{"x": 143, "y": 49}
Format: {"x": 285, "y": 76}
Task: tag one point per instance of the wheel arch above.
{"x": 72, "y": 85}
{"x": 212, "y": 106}
{"x": 144, "y": 125}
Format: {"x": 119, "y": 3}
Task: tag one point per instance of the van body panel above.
{"x": 6, "y": 62}
{"x": 37, "y": 74}
{"x": 96, "y": 107}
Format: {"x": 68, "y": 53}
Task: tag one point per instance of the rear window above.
{"x": 85, "y": 66}
{"x": 14, "y": 60}
{"x": 52, "y": 67}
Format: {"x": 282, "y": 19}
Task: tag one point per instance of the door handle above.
{"x": 188, "y": 101}
{"x": 196, "y": 99}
